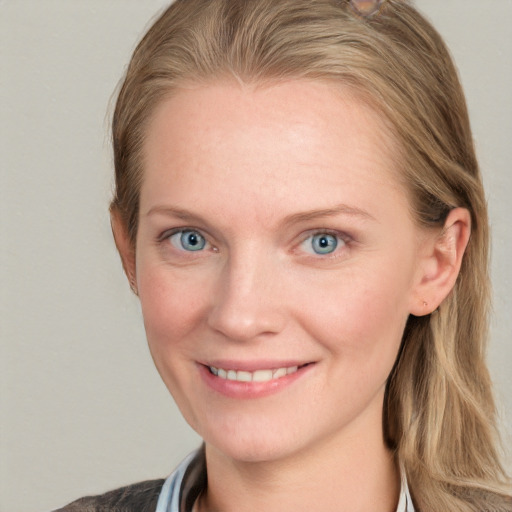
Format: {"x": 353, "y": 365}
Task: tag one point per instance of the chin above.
{"x": 262, "y": 443}
{"x": 258, "y": 444}
{"x": 252, "y": 451}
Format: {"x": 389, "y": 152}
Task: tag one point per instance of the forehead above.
{"x": 282, "y": 141}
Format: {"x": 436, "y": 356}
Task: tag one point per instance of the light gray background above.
{"x": 82, "y": 408}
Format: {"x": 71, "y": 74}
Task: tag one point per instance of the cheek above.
{"x": 360, "y": 315}
{"x": 172, "y": 305}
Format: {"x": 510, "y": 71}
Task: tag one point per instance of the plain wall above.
{"x": 82, "y": 408}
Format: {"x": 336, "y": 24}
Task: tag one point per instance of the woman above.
{"x": 299, "y": 209}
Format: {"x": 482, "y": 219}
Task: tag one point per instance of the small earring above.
{"x": 425, "y": 303}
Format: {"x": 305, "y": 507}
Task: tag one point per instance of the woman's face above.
{"x": 276, "y": 264}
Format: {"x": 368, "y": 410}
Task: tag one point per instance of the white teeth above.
{"x": 281, "y": 372}
{"x": 262, "y": 375}
{"x": 244, "y": 376}
{"x": 257, "y": 376}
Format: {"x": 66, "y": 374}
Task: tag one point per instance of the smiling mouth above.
{"x": 256, "y": 376}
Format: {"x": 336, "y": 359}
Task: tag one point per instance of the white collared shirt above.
{"x": 169, "y": 499}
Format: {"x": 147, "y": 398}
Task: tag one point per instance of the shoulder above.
{"x": 139, "y": 497}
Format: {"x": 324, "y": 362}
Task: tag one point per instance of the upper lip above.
{"x": 252, "y": 366}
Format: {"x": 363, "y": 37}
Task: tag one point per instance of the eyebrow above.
{"x": 295, "y": 218}
{"x": 180, "y": 213}
{"x": 340, "y": 209}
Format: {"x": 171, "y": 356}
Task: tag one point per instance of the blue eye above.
{"x": 188, "y": 240}
{"x": 323, "y": 243}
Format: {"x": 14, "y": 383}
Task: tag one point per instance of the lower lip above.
{"x": 245, "y": 390}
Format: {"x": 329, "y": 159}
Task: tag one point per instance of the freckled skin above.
{"x": 242, "y": 161}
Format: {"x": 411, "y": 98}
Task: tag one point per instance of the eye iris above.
{"x": 192, "y": 241}
{"x": 324, "y": 243}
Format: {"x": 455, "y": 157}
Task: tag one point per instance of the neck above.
{"x": 356, "y": 475}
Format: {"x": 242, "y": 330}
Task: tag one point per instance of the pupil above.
{"x": 324, "y": 243}
{"x": 192, "y": 241}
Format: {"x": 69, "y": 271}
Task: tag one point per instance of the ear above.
{"x": 125, "y": 247}
{"x": 440, "y": 263}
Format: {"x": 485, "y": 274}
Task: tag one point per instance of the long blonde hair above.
{"x": 439, "y": 413}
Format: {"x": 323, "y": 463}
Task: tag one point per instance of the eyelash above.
{"x": 338, "y": 235}
{"x": 167, "y": 235}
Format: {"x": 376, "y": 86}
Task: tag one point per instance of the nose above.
{"x": 248, "y": 302}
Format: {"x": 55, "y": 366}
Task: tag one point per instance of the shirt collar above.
{"x": 184, "y": 485}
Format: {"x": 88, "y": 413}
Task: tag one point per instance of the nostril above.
{"x": 243, "y": 322}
